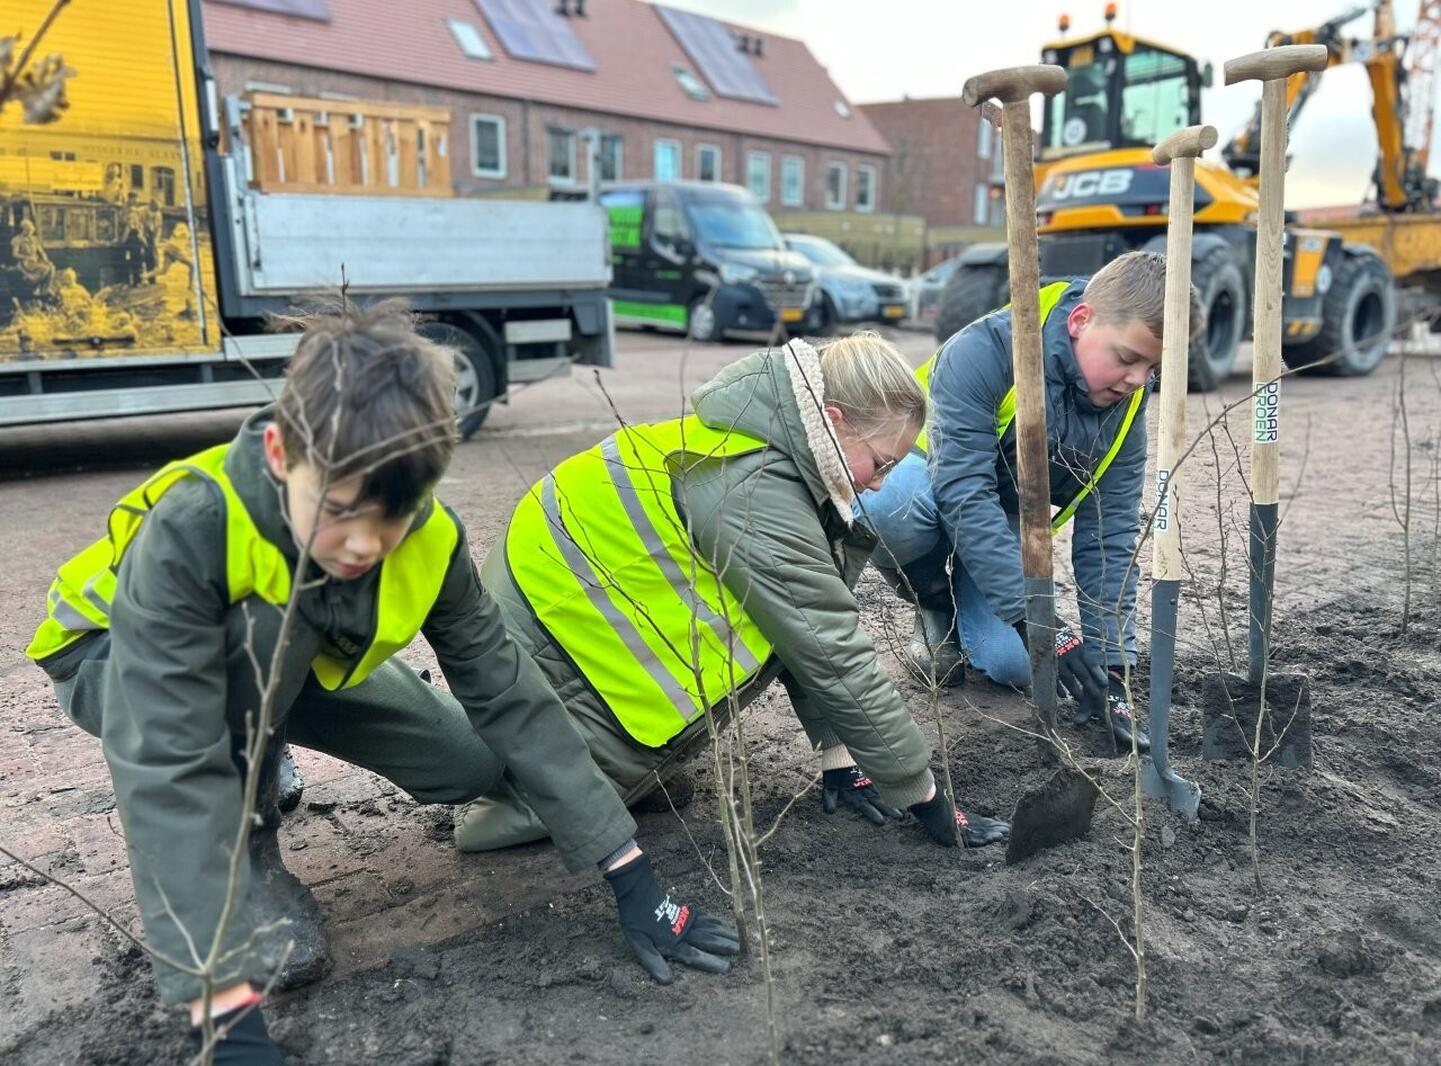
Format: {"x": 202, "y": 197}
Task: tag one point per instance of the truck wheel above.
{"x": 702, "y": 322}
{"x": 1217, "y": 278}
{"x": 474, "y": 374}
{"x": 970, "y": 292}
{"x": 1358, "y": 316}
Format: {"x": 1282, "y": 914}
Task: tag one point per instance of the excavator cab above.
{"x": 1121, "y": 92}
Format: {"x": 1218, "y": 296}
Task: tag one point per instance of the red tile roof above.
{"x": 408, "y": 40}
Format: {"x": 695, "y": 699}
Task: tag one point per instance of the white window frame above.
{"x": 753, "y": 156}
{"x": 832, "y": 205}
{"x": 799, "y": 199}
{"x": 619, "y": 155}
{"x": 499, "y": 121}
{"x": 679, "y": 156}
{"x": 981, "y": 207}
{"x": 570, "y": 137}
{"x": 870, "y": 205}
{"x": 719, "y": 161}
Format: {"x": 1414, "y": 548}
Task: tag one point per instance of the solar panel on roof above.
{"x": 531, "y": 30}
{"x": 712, "y": 48}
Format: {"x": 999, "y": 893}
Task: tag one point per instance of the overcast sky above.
{"x": 886, "y": 49}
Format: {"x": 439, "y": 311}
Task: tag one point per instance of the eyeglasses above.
{"x": 880, "y": 467}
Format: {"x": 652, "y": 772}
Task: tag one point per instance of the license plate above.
{"x": 792, "y": 314}
{"x": 893, "y": 311}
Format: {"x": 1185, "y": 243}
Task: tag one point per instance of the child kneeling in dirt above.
{"x": 676, "y": 569}
{"x": 948, "y": 517}
{"x": 157, "y": 632}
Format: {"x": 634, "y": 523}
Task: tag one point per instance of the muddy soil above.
{"x": 885, "y": 949}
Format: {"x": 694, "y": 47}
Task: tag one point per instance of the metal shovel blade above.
{"x": 1182, "y": 796}
{"x": 1055, "y": 813}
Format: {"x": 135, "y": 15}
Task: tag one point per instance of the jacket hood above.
{"x": 777, "y": 394}
{"x": 262, "y": 494}
{"x": 1061, "y": 366}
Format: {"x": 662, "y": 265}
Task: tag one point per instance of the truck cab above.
{"x": 703, "y": 258}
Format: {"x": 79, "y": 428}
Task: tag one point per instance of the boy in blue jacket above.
{"x": 948, "y": 516}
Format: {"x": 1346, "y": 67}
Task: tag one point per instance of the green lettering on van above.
{"x": 673, "y": 314}
{"x": 625, "y": 225}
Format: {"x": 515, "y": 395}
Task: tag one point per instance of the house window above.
{"x": 983, "y": 139}
{"x": 610, "y": 157}
{"x": 793, "y": 180}
{"x": 707, "y": 162}
{"x": 667, "y": 160}
{"x": 865, "y": 188}
{"x": 487, "y": 144}
{"x": 560, "y": 155}
{"x": 982, "y": 213}
{"x": 468, "y": 37}
{"x": 162, "y": 184}
{"x": 836, "y": 186}
{"x": 758, "y": 175}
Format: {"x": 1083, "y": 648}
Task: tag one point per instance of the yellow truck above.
{"x": 148, "y": 232}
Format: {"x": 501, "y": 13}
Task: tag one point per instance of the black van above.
{"x": 673, "y": 243}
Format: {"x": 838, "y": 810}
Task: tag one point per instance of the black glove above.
{"x": 853, "y": 788}
{"x": 247, "y": 1043}
{"x": 950, "y": 827}
{"x": 1078, "y": 667}
{"x": 1122, "y": 720}
{"x": 658, "y": 929}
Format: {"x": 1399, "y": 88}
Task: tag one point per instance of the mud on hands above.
{"x": 659, "y": 928}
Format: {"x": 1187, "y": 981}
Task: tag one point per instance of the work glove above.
{"x": 1078, "y": 666}
{"x": 1122, "y": 720}
{"x": 854, "y": 789}
{"x": 657, "y": 928}
{"x": 951, "y": 827}
{"x": 247, "y": 1043}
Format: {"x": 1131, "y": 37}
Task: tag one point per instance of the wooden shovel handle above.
{"x": 1184, "y": 144}
{"x": 1275, "y": 63}
{"x": 1015, "y": 83}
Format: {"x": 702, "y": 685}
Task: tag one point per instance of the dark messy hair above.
{"x": 366, "y": 395}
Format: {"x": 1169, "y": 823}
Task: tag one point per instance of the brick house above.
{"x": 673, "y": 95}
{"x": 945, "y": 167}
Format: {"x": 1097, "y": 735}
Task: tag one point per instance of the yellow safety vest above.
{"x": 1050, "y": 296}
{"x": 410, "y": 577}
{"x": 600, "y": 551}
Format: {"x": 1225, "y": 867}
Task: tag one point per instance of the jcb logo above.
{"x": 1085, "y": 184}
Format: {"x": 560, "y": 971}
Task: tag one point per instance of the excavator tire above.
{"x": 1217, "y": 277}
{"x": 1358, "y": 316}
{"x": 970, "y": 293}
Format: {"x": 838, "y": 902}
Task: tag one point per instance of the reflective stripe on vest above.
{"x": 410, "y": 577}
{"x": 1050, "y": 296}
{"x": 601, "y": 554}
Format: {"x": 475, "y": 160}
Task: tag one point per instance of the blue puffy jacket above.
{"x": 973, "y": 473}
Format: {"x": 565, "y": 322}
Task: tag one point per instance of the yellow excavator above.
{"x": 1099, "y": 195}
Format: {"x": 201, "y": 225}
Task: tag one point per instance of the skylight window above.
{"x": 469, "y": 39}
{"x": 692, "y": 85}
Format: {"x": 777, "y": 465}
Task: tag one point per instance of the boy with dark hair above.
{"x": 948, "y": 515}
{"x": 155, "y": 630}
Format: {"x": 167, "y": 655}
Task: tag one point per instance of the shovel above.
{"x": 1157, "y": 778}
{"x": 1062, "y": 811}
{"x": 1272, "y": 708}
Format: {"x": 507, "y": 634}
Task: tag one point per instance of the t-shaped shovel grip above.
{"x": 1184, "y": 144}
{"x": 1272, "y": 64}
{"x": 1014, "y": 83}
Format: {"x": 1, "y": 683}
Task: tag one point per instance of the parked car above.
{"x": 702, "y": 258}
{"x": 849, "y": 291}
{"x": 927, "y": 288}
